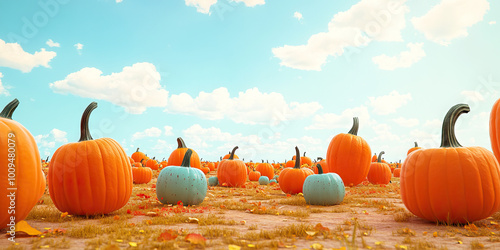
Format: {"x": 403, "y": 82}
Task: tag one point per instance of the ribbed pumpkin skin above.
{"x": 232, "y": 172}
{"x": 451, "y": 184}
{"x": 176, "y": 157}
{"x": 142, "y": 175}
{"x": 349, "y": 156}
{"x": 324, "y": 189}
{"x": 291, "y": 180}
{"x": 495, "y": 129}
{"x": 263, "y": 180}
{"x": 397, "y": 172}
{"x": 254, "y": 175}
{"x": 30, "y": 178}
{"x": 380, "y": 173}
{"x": 90, "y": 177}
{"x": 265, "y": 169}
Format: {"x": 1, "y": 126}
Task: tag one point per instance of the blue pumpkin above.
{"x": 213, "y": 181}
{"x": 263, "y": 180}
{"x": 323, "y": 189}
{"x": 181, "y": 183}
{"x": 273, "y": 181}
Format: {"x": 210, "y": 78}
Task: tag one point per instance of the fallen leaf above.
{"x": 167, "y": 235}
{"x": 196, "y": 239}
{"x": 251, "y": 245}
{"x": 193, "y": 220}
{"x": 311, "y": 233}
{"x": 460, "y": 242}
{"x": 317, "y": 246}
{"x": 64, "y": 214}
{"x": 133, "y": 244}
{"x": 119, "y": 241}
{"x": 116, "y": 217}
{"x": 243, "y": 222}
{"x": 435, "y": 234}
{"x": 23, "y": 226}
{"x": 233, "y": 247}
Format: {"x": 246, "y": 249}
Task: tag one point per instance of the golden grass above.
{"x": 216, "y": 232}
{"x": 402, "y": 216}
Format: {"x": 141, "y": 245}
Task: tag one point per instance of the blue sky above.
{"x": 264, "y": 75}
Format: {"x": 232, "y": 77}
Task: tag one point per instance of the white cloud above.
{"x": 433, "y": 124}
{"x": 403, "y": 122}
{"x": 404, "y": 60}
{"x": 163, "y": 148}
{"x": 250, "y": 3}
{"x": 387, "y": 104}
{"x": 383, "y": 132}
{"x": 202, "y": 6}
{"x": 150, "y": 132}
{"x": 79, "y": 48}
{"x": 136, "y": 88}
{"x": 168, "y": 130}
{"x": 450, "y": 19}
{"x": 492, "y": 22}
{"x": 297, "y": 15}
{"x": 344, "y": 120}
{"x": 119, "y": 1}
{"x": 368, "y": 20}
{"x": 13, "y": 56}
{"x": 52, "y": 43}
{"x": 3, "y": 90}
{"x": 48, "y": 141}
{"x": 249, "y": 107}
{"x": 472, "y": 96}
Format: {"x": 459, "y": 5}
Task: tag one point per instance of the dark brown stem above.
{"x": 355, "y": 126}
{"x": 231, "y": 157}
{"x": 84, "y": 125}
{"x": 9, "y": 109}
{"x": 320, "y": 169}
{"x": 448, "y": 138}
{"x": 379, "y": 159}
{"x": 180, "y": 143}
{"x": 416, "y": 144}
{"x": 186, "y": 161}
{"x": 297, "y": 158}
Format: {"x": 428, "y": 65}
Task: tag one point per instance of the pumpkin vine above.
{"x": 84, "y": 125}
{"x": 9, "y": 109}
{"x": 448, "y": 138}
{"x": 186, "y": 161}
{"x": 379, "y": 158}
{"x": 355, "y": 126}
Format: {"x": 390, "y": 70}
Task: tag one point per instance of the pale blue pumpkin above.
{"x": 181, "y": 183}
{"x": 213, "y": 181}
{"x": 323, "y": 189}
{"x": 273, "y": 181}
{"x": 263, "y": 180}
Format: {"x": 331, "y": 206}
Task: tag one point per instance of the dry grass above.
{"x": 402, "y": 216}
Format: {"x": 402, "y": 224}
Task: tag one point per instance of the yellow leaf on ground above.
{"x": 193, "y": 220}
{"x": 233, "y": 247}
{"x": 311, "y": 233}
{"x": 317, "y": 246}
{"x": 133, "y": 244}
{"x": 23, "y": 226}
{"x": 435, "y": 234}
{"x": 251, "y": 245}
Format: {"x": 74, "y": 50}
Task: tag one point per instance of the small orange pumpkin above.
{"x": 379, "y": 173}
{"x": 142, "y": 175}
{"x": 232, "y": 172}
{"x": 291, "y": 180}
{"x": 176, "y": 157}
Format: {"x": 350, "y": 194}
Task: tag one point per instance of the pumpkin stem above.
{"x": 180, "y": 143}
{"x": 320, "y": 169}
{"x": 304, "y": 154}
{"x": 46, "y": 160}
{"x": 448, "y": 138}
{"x": 9, "y": 109}
{"x": 186, "y": 161}
{"x": 231, "y": 157}
{"x": 137, "y": 150}
{"x": 84, "y": 125}
{"x": 297, "y": 158}
{"x": 379, "y": 159}
{"x": 355, "y": 126}
{"x": 416, "y": 145}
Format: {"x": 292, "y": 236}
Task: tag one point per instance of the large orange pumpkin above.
{"x": 379, "y": 173}
{"x": 495, "y": 129}
{"x": 19, "y": 162}
{"x": 90, "y": 176}
{"x": 176, "y": 157}
{"x": 452, "y": 184}
{"x": 232, "y": 172}
{"x": 349, "y": 156}
{"x": 291, "y": 180}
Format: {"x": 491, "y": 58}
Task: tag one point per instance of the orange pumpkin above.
{"x": 291, "y": 180}
{"x": 452, "y": 184}
{"x": 397, "y": 172}
{"x": 152, "y": 163}
{"x": 305, "y": 160}
{"x": 374, "y": 157}
{"x": 254, "y": 175}
{"x": 265, "y": 169}
{"x": 413, "y": 149}
{"x": 90, "y": 176}
{"x": 138, "y": 156}
{"x": 19, "y": 161}
{"x": 142, "y": 175}
{"x": 495, "y": 129}
{"x": 211, "y": 166}
{"x": 324, "y": 166}
{"x": 176, "y": 157}
{"x": 227, "y": 156}
{"x": 379, "y": 173}
{"x": 349, "y": 156}
{"x": 232, "y": 172}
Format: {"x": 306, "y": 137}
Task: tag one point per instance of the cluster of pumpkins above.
{"x": 452, "y": 183}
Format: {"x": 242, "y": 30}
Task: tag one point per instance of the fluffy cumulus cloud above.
{"x": 297, "y": 15}
{"x": 342, "y": 120}
{"x": 3, "y": 90}
{"x": 388, "y": 104}
{"x": 135, "y": 88}
{"x": 13, "y": 56}
{"x": 249, "y": 107}
{"x": 48, "y": 142}
{"x": 150, "y": 132}
{"x": 250, "y": 3}
{"x": 404, "y": 122}
{"x": 404, "y": 60}
{"x": 472, "y": 96}
{"x": 168, "y": 130}
{"x": 79, "y": 48}
{"x": 202, "y": 6}
{"x": 366, "y": 21}
{"x": 383, "y": 133}
{"x": 51, "y": 43}
{"x": 450, "y": 19}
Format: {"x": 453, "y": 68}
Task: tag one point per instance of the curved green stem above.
{"x": 180, "y": 143}
{"x": 448, "y": 138}
{"x": 84, "y": 125}
{"x": 231, "y": 157}
{"x": 186, "y": 161}
{"x": 379, "y": 159}
{"x": 297, "y": 158}
{"x": 355, "y": 126}
{"x": 9, "y": 109}
{"x": 416, "y": 145}
{"x": 320, "y": 169}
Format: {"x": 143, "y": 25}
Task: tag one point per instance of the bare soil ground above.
{"x": 371, "y": 217}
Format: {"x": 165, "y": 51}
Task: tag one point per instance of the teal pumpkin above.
{"x": 323, "y": 189}
{"x": 213, "y": 181}
{"x": 273, "y": 181}
{"x": 263, "y": 180}
{"x": 276, "y": 177}
{"x": 181, "y": 183}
